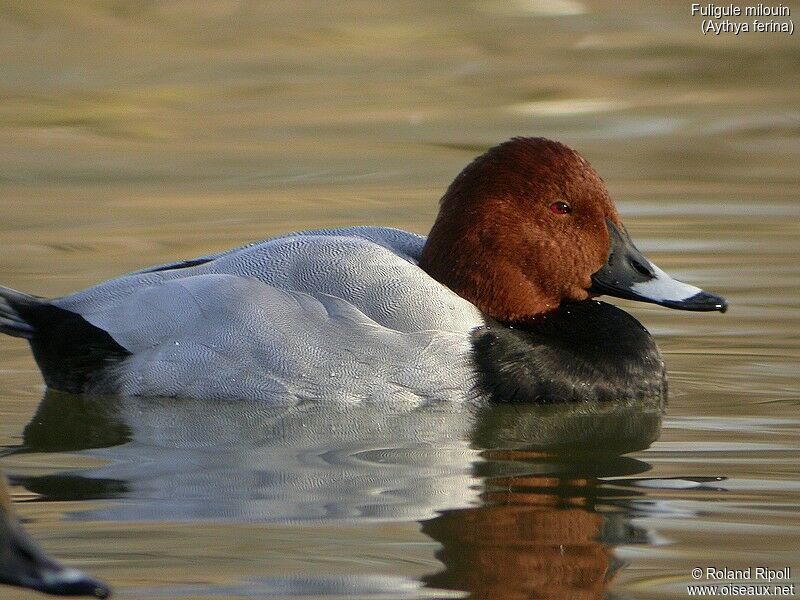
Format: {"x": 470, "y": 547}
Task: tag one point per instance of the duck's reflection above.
{"x": 515, "y": 495}
{"x": 535, "y": 536}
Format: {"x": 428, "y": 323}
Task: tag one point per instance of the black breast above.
{"x": 583, "y": 351}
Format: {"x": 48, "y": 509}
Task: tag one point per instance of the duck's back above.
{"x": 340, "y": 313}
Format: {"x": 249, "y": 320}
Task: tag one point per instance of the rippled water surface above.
{"x": 135, "y": 133}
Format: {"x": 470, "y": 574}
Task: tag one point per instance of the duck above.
{"x": 24, "y": 564}
{"x": 497, "y": 303}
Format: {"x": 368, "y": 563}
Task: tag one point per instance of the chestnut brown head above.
{"x": 529, "y": 225}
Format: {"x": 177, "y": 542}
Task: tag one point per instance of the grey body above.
{"x": 341, "y": 313}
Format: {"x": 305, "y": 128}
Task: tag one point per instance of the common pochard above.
{"x": 496, "y": 303}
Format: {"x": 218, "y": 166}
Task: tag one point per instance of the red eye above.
{"x": 561, "y": 208}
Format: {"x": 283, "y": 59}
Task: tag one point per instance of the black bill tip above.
{"x": 701, "y": 302}
{"x": 86, "y": 586}
{"x": 59, "y": 581}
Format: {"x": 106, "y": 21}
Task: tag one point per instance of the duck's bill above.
{"x": 23, "y": 564}
{"x": 628, "y": 274}
{"x": 66, "y": 582}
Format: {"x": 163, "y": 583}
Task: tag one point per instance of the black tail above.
{"x": 12, "y": 308}
{"x": 71, "y": 352}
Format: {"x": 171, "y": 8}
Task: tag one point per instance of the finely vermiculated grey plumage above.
{"x": 341, "y": 313}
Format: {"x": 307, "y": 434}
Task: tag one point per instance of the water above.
{"x": 133, "y": 134}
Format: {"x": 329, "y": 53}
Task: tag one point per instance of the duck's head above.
{"x": 530, "y": 225}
